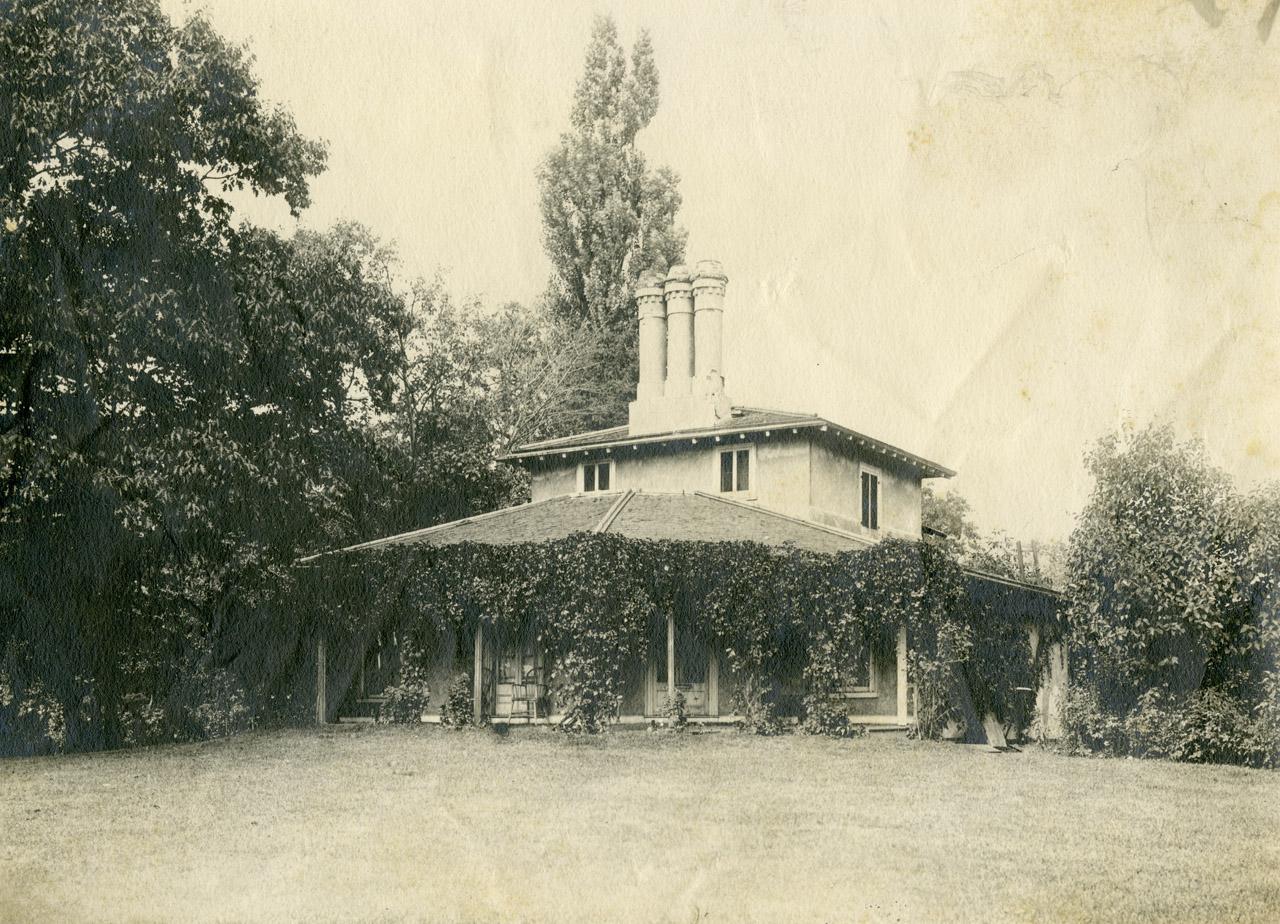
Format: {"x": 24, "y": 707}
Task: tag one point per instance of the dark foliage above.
{"x": 592, "y": 602}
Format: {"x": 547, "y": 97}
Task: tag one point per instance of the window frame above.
{"x": 870, "y": 691}
{"x": 863, "y": 515}
{"x": 596, "y": 463}
{"x": 753, "y": 471}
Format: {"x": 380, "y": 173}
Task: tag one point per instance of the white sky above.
{"x": 985, "y": 232}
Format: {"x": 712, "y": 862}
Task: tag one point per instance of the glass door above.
{"x": 691, "y": 672}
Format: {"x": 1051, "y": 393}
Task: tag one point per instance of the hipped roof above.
{"x": 698, "y": 517}
{"x": 743, "y": 420}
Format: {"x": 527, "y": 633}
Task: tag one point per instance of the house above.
{"x": 691, "y": 464}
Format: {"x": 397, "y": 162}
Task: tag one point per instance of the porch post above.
{"x": 902, "y": 675}
{"x": 713, "y": 681}
{"x": 477, "y": 680}
{"x": 322, "y": 706}
{"x": 671, "y": 656}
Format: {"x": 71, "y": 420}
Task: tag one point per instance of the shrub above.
{"x": 210, "y": 703}
{"x": 822, "y": 716}
{"x": 1267, "y": 716}
{"x": 407, "y": 699}
{"x": 31, "y": 720}
{"x": 676, "y": 710}
{"x": 1087, "y": 727}
{"x": 1210, "y": 726}
{"x": 457, "y": 710}
{"x": 1205, "y": 726}
{"x": 143, "y": 722}
{"x": 1173, "y": 595}
{"x": 759, "y": 716}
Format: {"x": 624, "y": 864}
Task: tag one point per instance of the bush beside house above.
{"x": 1174, "y": 627}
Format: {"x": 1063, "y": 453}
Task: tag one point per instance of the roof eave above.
{"x": 1015, "y": 583}
{"x": 927, "y": 468}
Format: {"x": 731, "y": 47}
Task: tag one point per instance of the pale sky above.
{"x": 985, "y": 232}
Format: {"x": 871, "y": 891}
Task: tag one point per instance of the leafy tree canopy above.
{"x": 994, "y": 552}
{"x": 606, "y": 215}
{"x": 1169, "y": 583}
{"x": 186, "y": 406}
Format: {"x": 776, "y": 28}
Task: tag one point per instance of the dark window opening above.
{"x": 870, "y": 501}
{"x": 856, "y": 676}
{"x": 596, "y": 476}
{"x": 735, "y": 470}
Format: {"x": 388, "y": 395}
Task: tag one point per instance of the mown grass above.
{"x": 421, "y": 823}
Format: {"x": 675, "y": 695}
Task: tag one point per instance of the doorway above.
{"x": 693, "y": 673}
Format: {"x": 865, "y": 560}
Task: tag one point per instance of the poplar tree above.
{"x": 606, "y": 215}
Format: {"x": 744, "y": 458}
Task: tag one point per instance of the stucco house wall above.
{"x": 836, "y": 493}
{"x": 801, "y": 477}
{"x": 783, "y": 470}
{"x": 553, "y": 482}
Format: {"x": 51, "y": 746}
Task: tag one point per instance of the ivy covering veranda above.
{"x": 592, "y": 602}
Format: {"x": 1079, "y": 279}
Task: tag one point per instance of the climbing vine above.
{"x": 591, "y": 603}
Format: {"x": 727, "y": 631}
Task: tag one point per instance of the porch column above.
{"x": 322, "y": 706}
{"x": 713, "y": 681}
{"x": 902, "y": 675}
{"x": 477, "y": 680}
{"x": 671, "y": 656}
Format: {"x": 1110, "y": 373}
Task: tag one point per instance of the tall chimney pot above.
{"x": 652, "y": 336}
{"x": 679, "y": 297}
{"x": 709, "y": 283}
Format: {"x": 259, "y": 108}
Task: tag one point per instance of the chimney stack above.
{"x": 681, "y": 320}
{"x": 709, "y": 282}
{"x": 653, "y": 337}
{"x": 679, "y": 296}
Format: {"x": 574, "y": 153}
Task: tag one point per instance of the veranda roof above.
{"x": 696, "y": 516}
{"x": 638, "y": 514}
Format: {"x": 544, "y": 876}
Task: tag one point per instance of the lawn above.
{"x": 371, "y": 823}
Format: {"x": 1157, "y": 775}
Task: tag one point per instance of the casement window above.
{"x": 859, "y": 677}
{"x": 870, "y": 498}
{"x": 735, "y": 471}
{"x": 596, "y": 476}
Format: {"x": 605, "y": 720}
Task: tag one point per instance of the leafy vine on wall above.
{"x": 592, "y": 603}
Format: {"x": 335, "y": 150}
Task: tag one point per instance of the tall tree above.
{"x": 541, "y": 372}
{"x": 1160, "y": 583}
{"x": 443, "y": 430}
{"x": 121, "y": 339}
{"x": 607, "y": 217}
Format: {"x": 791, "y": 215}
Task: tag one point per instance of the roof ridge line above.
{"x": 439, "y": 527}
{"x": 788, "y": 517}
{"x": 612, "y": 513}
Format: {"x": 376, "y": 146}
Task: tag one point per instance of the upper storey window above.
{"x": 735, "y": 470}
{"x": 596, "y": 476}
{"x": 870, "y": 499}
